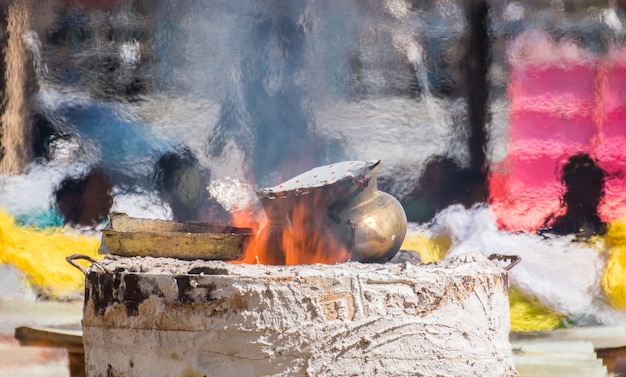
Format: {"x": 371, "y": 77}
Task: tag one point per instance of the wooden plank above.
{"x": 556, "y": 360}
{"x": 560, "y": 371}
{"x": 555, "y": 347}
{"x": 600, "y": 336}
{"x": 70, "y": 339}
{"x": 609, "y": 342}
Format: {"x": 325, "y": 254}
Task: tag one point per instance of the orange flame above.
{"x": 302, "y": 236}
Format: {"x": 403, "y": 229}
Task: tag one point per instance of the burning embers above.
{"x": 329, "y": 214}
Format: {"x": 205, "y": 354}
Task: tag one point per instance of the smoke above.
{"x": 255, "y": 91}
{"x": 260, "y": 91}
{"x": 238, "y": 83}
{"x": 315, "y": 82}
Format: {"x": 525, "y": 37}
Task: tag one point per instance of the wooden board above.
{"x": 71, "y": 339}
{"x": 608, "y": 342}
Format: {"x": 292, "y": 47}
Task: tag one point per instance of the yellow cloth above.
{"x": 40, "y": 255}
{"x": 614, "y": 276}
{"x": 431, "y": 249}
{"x": 527, "y": 314}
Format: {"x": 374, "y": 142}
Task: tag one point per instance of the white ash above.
{"x": 449, "y": 318}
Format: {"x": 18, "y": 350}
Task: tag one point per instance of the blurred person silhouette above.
{"x": 584, "y": 191}
{"x": 85, "y": 201}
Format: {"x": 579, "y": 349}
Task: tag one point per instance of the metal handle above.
{"x": 71, "y": 260}
{"x": 358, "y": 185}
{"x": 514, "y": 259}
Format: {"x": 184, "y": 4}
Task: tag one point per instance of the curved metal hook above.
{"x": 514, "y": 259}
{"x": 71, "y": 260}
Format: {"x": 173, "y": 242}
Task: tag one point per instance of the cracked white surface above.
{"x": 448, "y": 319}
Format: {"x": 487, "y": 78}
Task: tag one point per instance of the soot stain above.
{"x": 100, "y": 291}
{"x": 132, "y": 295}
{"x": 208, "y": 271}
{"x": 188, "y": 293}
{"x": 131, "y": 290}
{"x": 106, "y": 289}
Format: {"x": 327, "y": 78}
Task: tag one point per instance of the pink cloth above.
{"x": 562, "y": 102}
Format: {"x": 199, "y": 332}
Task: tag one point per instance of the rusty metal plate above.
{"x": 128, "y": 236}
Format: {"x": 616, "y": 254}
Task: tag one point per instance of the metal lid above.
{"x": 355, "y": 171}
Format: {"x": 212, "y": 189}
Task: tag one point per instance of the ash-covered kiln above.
{"x": 163, "y": 316}
{"x": 148, "y": 316}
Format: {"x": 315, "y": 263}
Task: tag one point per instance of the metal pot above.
{"x": 343, "y": 198}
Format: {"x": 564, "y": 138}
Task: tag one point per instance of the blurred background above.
{"x": 500, "y": 126}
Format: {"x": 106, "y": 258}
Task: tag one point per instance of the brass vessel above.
{"x": 345, "y": 199}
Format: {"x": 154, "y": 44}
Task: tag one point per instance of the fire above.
{"x": 307, "y": 238}
{"x": 300, "y": 234}
{"x": 248, "y": 218}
